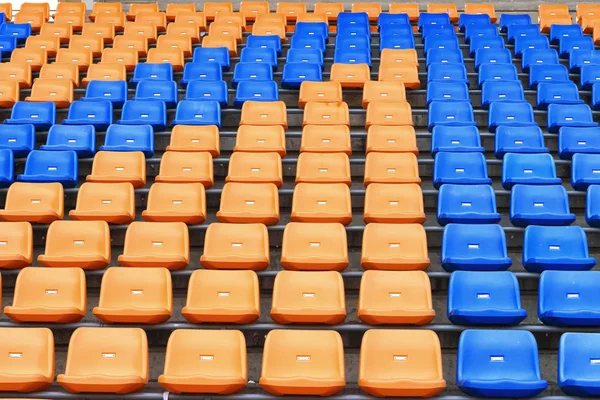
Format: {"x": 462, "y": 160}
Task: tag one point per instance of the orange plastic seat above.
{"x": 135, "y": 296}
{"x": 82, "y": 244}
{"x": 105, "y": 72}
{"x": 49, "y": 295}
{"x": 546, "y": 21}
{"x": 9, "y": 93}
{"x": 314, "y": 202}
{"x": 395, "y": 247}
{"x": 64, "y": 7}
{"x": 391, "y": 57}
{"x": 36, "y": 20}
{"x": 95, "y": 43}
{"x": 291, "y": 10}
{"x": 114, "y": 166}
{"x": 303, "y": 362}
{"x": 393, "y": 297}
{"x": 552, "y": 9}
{"x": 326, "y": 139}
{"x": 268, "y": 29}
{"x": 316, "y": 113}
{"x": 197, "y": 18}
{"x": 263, "y": 113}
{"x": 136, "y": 8}
{"x": 596, "y": 30}
{"x": 255, "y": 168}
{"x": 16, "y": 244}
{"x": 186, "y": 167}
{"x": 135, "y": 42}
{"x": 105, "y": 30}
{"x": 410, "y": 9}
{"x": 28, "y": 362}
{"x": 391, "y": 168}
{"x": 405, "y": 363}
{"x": 166, "y": 55}
{"x": 473, "y": 8}
{"x": 407, "y": 74}
{"x": 222, "y": 297}
{"x": 62, "y": 31}
{"x": 182, "y": 43}
{"x": 184, "y": 29}
{"x": 390, "y": 114}
{"x": 383, "y": 92}
{"x": 81, "y": 57}
{"x": 324, "y": 92}
{"x": 234, "y": 19}
{"x": 33, "y": 202}
{"x": 58, "y": 91}
{"x": 105, "y": 9}
{"x": 260, "y": 139}
{"x": 394, "y": 203}
{"x": 350, "y": 76}
{"x": 106, "y": 360}
{"x": 55, "y": 71}
{"x": 252, "y": 9}
{"x": 236, "y": 246}
{"x": 128, "y": 57}
{"x": 6, "y": 8}
{"x": 249, "y": 203}
{"x": 301, "y": 297}
{"x": 587, "y": 10}
{"x": 313, "y": 17}
{"x": 35, "y": 58}
{"x": 159, "y": 19}
{"x": 143, "y": 29}
{"x": 176, "y": 202}
{"x": 223, "y": 29}
{"x": 156, "y": 245}
{"x": 17, "y": 71}
{"x": 205, "y": 361}
{"x": 49, "y": 43}
{"x": 212, "y": 7}
{"x": 110, "y": 202}
{"x": 173, "y": 9}
{"x": 73, "y": 19}
{"x": 588, "y": 23}
{"x": 448, "y": 8}
{"x": 220, "y": 41}
{"x": 36, "y": 8}
{"x": 330, "y": 9}
{"x": 118, "y": 20}
{"x": 323, "y": 168}
{"x": 392, "y": 139}
{"x": 372, "y": 9}
{"x": 187, "y": 138}
{"x": 309, "y": 246}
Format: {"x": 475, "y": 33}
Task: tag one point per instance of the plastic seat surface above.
{"x": 460, "y": 168}
{"x": 125, "y": 138}
{"x": 576, "y": 358}
{"x": 540, "y": 205}
{"x": 195, "y": 139}
{"x": 144, "y": 112}
{"x": 186, "y": 167}
{"x": 456, "y": 139}
{"x": 113, "y": 91}
{"x": 233, "y": 246}
{"x": 51, "y": 166}
{"x": 114, "y": 166}
{"x": 394, "y": 247}
{"x": 98, "y": 114}
{"x": 528, "y": 169}
{"x": 176, "y": 202}
{"x": 512, "y": 139}
{"x": 334, "y": 139}
{"x": 314, "y": 247}
{"x": 467, "y": 204}
{"x": 17, "y": 251}
{"x": 40, "y": 115}
{"x": 110, "y": 202}
{"x": 314, "y": 203}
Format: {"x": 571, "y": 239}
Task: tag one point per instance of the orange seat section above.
{"x": 9, "y": 93}
{"x": 173, "y": 9}
{"x": 93, "y": 42}
{"x": 260, "y": 139}
{"x": 553, "y": 9}
{"x": 83, "y": 244}
{"x": 104, "y": 30}
{"x": 197, "y": 18}
{"x": 6, "y": 8}
{"x": 75, "y": 20}
{"x": 128, "y": 57}
{"x": 410, "y": 9}
{"x": 407, "y": 74}
{"x": 586, "y": 10}
{"x": 159, "y": 19}
{"x": 222, "y": 297}
{"x": 156, "y": 244}
{"x": 391, "y": 57}
{"x": 36, "y": 20}
{"x": 184, "y": 29}
{"x": 291, "y": 10}
{"x": 234, "y": 20}
{"x": 236, "y": 246}
{"x": 255, "y": 168}
{"x": 383, "y": 92}
{"x": 314, "y": 202}
{"x": 314, "y": 247}
{"x": 17, "y": 71}
{"x": 394, "y": 247}
{"x": 252, "y": 9}
{"x": 62, "y": 31}
{"x": 332, "y": 10}
{"x": 263, "y": 113}
{"x": 114, "y": 166}
{"x": 16, "y": 244}
{"x": 64, "y": 7}
{"x": 249, "y": 203}
{"x": 324, "y": 92}
{"x": 186, "y": 167}
{"x": 176, "y": 202}
{"x": 313, "y": 17}
{"x": 390, "y": 114}
{"x": 106, "y": 360}
{"x": 323, "y": 168}
{"x": 60, "y": 71}
{"x": 326, "y": 139}
{"x": 135, "y": 296}
{"x": 35, "y": 58}
{"x": 372, "y": 9}
{"x": 33, "y": 202}
{"x": 115, "y": 19}
{"x": 36, "y": 8}
{"x": 49, "y": 43}
{"x": 105, "y": 9}
{"x": 105, "y": 72}
{"x": 211, "y": 8}
{"x": 391, "y": 168}
{"x": 136, "y": 8}
{"x": 49, "y": 295}
{"x": 220, "y": 41}
{"x": 392, "y": 139}
{"x": 110, "y": 202}
{"x": 301, "y": 297}
{"x": 82, "y": 57}
{"x": 268, "y": 29}
{"x": 316, "y": 113}
{"x": 473, "y": 8}
{"x": 394, "y": 203}
{"x": 303, "y": 362}
{"x": 57, "y": 91}
{"x": 181, "y": 42}
{"x": 166, "y": 55}
{"x": 447, "y": 8}
{"x": 187, "y": 138}
{"x": 141, "y": 29}
{"x": 546, "y": 21}
{"x": 350, "y": 76}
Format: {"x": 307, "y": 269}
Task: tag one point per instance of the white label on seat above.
{"x": 35, "y": 201}
{"x": 568, "y": 118}
{"x": 483, "y": 295}
{"x": 78, "y": 242}
{"x": 394, "y": 245}
{"x": 383, "y": 94}
{"x": 350, "y": 76}
{"x": 129, "y": 140}
{"x": 519, "y": 142}
{"x": 553, "y": 247}
{"x": 12, "y": 140}
{"x": 202, "y": 75}
{"x": 119, "y": 168}
{"x": 314, "y": 244}
{"x": 449, "y": 116}
{"x": 136, "y": 292}
{"x": 260, "y": 141}
{"x": 302, "y": 358}
{"x": 393, "y": 203}
{"x": 302, "y": 76}
{"x": 321, "y": 203}
{"x": 254, "y": 169}
{"x": 198, "y": 115}
{"x": 596, "y": 171}
{"x": 51, "y": 291}
{"x": 264, "y": 115}
{"x": 323, "y": 170}
{"x": 326, "y": 116}
{"x": 156, "y": 94}
{"x": 250, "y": 202}
{"x": 325, "y": 140}
{"x": 497, "y": 358}
{"x": 466, "y": 204}
{"x": 195, "y": 140}
{"x": 391, "y": 170}
{"x": 109, "y": 355}
{"x": 106, "y": 94}
{"x": 51, "y": 168}
{"x": 528, "y": 171}
{"x": 510, "y": 117}
{"x": 177, "y": 202}
{"x": 389, "y": 116}
{"x": 237, "y": 244}
{"x": 144, "y": 116}
{"x": 34, "y": 116}
{"x": 472, "y": 246}
{"x": 557, "y": 96}
{"x": 253, "y": 76}
{"x": 455, "y": 141}
{"x": 310, "y": 295}
{"x": 259, "y": 60}
{"x": 398, "y": 76}
{"x": 594, "y": 361}
{"x": 15, "y": 355}
{"x": 157, "y": 243}
{"x": 460, "y": 170}
{"x": 572, "y": 295}
{"x": 538, "y": 204}
{"x": 257, "y": 94}
{"x": 391, "y": 140}
{"x": 501, "y": 96}
{"x": 206, "y": 358}
{"x": 3, "y": 243}
{"x": 395, "y": 294}
{"x": 400, "y": 358}
{"x": 581, "y": 142}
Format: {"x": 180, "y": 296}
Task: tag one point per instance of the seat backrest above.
{"x": 473, "y": 290}
{"x": 28, "y": 351}
{"x": 136, "y": 288}
{"x": 50, "y": 287}
{"x": 78, "y": 239}
{"x": 157, "y": 238}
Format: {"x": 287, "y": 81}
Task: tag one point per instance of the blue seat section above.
{"x": 447, "y": 72}
{"x": 576, "y": 115}
{"x": 129, "y": 138}
{"x": 538, "y": 57}
{"x": 522, "y": 30}
{"x": 557, "y": 93}
{"x": 41, "y": 115}
{"x": 460, "y": 168}
{"x": 312, "y": 29}
{"x": 217, "y": 55}
{"x": 456, "y": 139}
{"x": 497, "y": 72}
{"x": 492, "y": 56}
{"x": 255, "y": 91}
{"x": 530, "y": 43}
{"x": 396, "y": 29}
{"x": 201, "y": 72}
{"x": 392, "y": 19}
{"x": 465, "y": 20}
{"x": 308, "y": 42}
{"x": 467, "y": 204}
{"x": 569, "y": 44}
{"x": 7, "y": 44}
{"x": 510, "y": 114}
{"x": 267, "y": 56}
{"x": 579, "y": 58}
{"x": 165, "y": 91}
{"x": 296, "y": 73}
{"x": 251, "y": 71}
{"x": 596, "y": 97}
{"x": 498, "y": 363}
{"x": 569, "y": 298}
{"x": 356, "y": 42}
{"x": 447, "y": 91}
{"x": 516, "y": 139}
{"x": 501, "y": 91}
{"x": 485, "y": 42}
{"x": 387, "y": 41}
{"x": 457, "y": 113}
{"x": 585, "y": 170}
{"x": 159, "y": 72}
{"x": 352, "y": 56}
{"x": 443, "y": 30}
{"x": 507, "y": 20}
{"x": 441, "y": 42}
{"x": 144, "y": 112}
{"x": 50, "y": 166}
{"x": 432, "y": 19}
{"x": 578, "y": 360}
{"x": 589, "y": 75}
{"x": 113, "y": 91}
{"x": 528, "y": 169}
{"x": 592, "y": 206}
{"x": 573, "y": 140}
{"x": 484, "y": 298}
{"x": 353, "y": 18}
{"x": 19, "y": 31}
{"x": 540, "y": 205}
{"x": 547, "y": 73}
{"x": 258, "y": 42}
{"x": 474, "y": 248}
{"x": 445, "y": 56}
{"x": 193, "y": 112}
{"x": 7, "y": 167}
{"x": 20, "y": 139}
{"x": 81, "y": 139}
{"x": 208, "y": 91}
{"x": 559, "y": 32}
{"x": 313, "y": 56}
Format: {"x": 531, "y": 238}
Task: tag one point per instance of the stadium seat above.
{"x": 33, "y": 202}
{"x": 317, "y": 113}
{"x": 448, "y": 72}
{"x": 17, "y": 71}
{"x": 521, "y": 30}
{"x": 81, "y": 139}
{"x": 249, "y": 203}
{"x": 484, "y": 298}
{"x": 255, "y": 139}
{"x": 314, "y": 247}
{"x": 173, "y": 202}
{"x": 460, "y": 168}
{"x": 117, "y": 19}
{"x": 144, "y": 112}
{"x": 186, "y": 167}
{"x": 492, "y": 56}
{"x": 136, "y": 9}
{"x": 296, "y": 73}
{"x": 55, "y": 71}
{"x": 466, "y": 19}
{"x": 57, "y": 91}
{"x": 184, "y": 29}
{"x": 50, "y": 166}
{"x": 119, "y": 364}
{"x": 571, "y": 115}
{"x": 558, "y": 32}
{"x": 350, "y": 76}
{"x": 252, "y": 9}
{"x": 206, "y": 90}
{"x": 547, "y": 73}
{"x": 570, "y": 44}
{"x": 479, "y": 30}
{"x": 411, "y": 9}
{"x": 450, "y": 113}
{"x": 110, "y": 202}
{"x": 590, "y": 74}
{"x": 447, "y": 91}
{"x": 441, "y": 29}
{"x": 257, "y": 55}
{"x": 404, "y": 56}
{"x": 576, "y": 362}
{"x": 516, "y": 139}
{"x": 394, "y": 202}
{"x": 484, "y": 42}
{"x": 574, "y": 140}
{"x": 494, "y": 363}
{"x": 532, "y": 57}
{"x": 7, "y": 167}
{"x": 312, "y": 28}
{"x": 456, "y": 139}
{"x": 580, "y": 58}
{"x": 255, "y": 168}
{"x": 236, "y": 246}
{"x": 540, "y": 205}
{"x": 446, "y": 56}
{"x": 49, "y": 43}
{"x": 105, "y": 30}
{"x": 325, "y": 92}
{"x": 113, "y": 167}
{"x": 323, "y": 168}
{"x": 391, "y": 168}
{"x": 9, "y": 43}
{"x": 151, "y": 90}
{"x": 98, "y": 114}
{"x": 77, "y": 244}
{"x": 528, "y": 169}
{"x": 180, "y": 42}
{"x": 440, "y": 42}
{"x": 19, "y": 30}
{"x": 94, "y": 43}
{"x": 394, "y": 40}
{"x": 40, "y": 115}
{"x": 209, "y": 55}
{"x": 210, "y": 71}
{"x": 584, "y": 168}
{"x": 510, "y": 114}
{"x": 313, "y": 202}
{"x": 135, "y": 42}
{"x": 17, "y": 251}
{"x": 19, "y": 139}
{"x": 501, "y": 91}
{"x": 557, "y": 93}
{"x": 159, "y": 72}
{"x": 190, "y": 18}
{"x": 195, "y": 139}
{"x": 129, "y": 138}
{"x": 389, "y": 92}
{"x": 467, "y": 204}
{"x": 29, "y": 359}
{"x": 198, "y": 112}
{"x": 156, "y": 18}
{"x": 308, "y": 42}
{"x": 263, "y": 30}
{"x": 334, "y": 139}
{"x": 429, "y": 18}
{"x": 523, "y": 43}
{"x": 586, "y": 10}
{"x": 267, "y": 40}
{"x": 112, "y": 91}
{"x": 157, "y": 56}
{"x": 403, "y": 249}
{"x": 313, "y": 56}
{"x": 263, "y": 113}
{"x": 105, "y": 8}
{"x": 81, "y": 57}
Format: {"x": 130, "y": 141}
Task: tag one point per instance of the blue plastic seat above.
{"x": 467, "y": 204}
{"x": 41, "y": 115}
{"x": 296, "y": 73}
{"x": 7, "y": 44}
{"x": 99, "y": 114}
{"x": 353, "y": 18}
{"x": 251, "y": 71}
{"x": 308, "y": 42}
{"x": 130, "y": 138}
{"x": 112, "y": 91}
{"x": 570, "y": 43}
{"x": 256, "y": 91}
{"x": 444, "y": 56}
{"x": 528, "y": 169}
{"x": 596, "y": 96}
{"x": 480, "y": 30}
{"x": 540, "y": 205}
{"x": 50, "y": 166}
{"x": 578, "y": 357}
{"x": 523, "y": 43}
{"x": 312, "y": 29}
{"x": 579, "y": 58}
{"x": 352, "y": 31}
{"x": 520, "y": 140}
{"x": 447, "y": 72}
{"x": 460, "y": 168}
{"x": 472, "y": 19}
{"x": 201, "y": 72}
{"x": 159, "y": 72}
{"x": 260, "y": 42}
{"x": 592, "y": 206}
{"x": 573, "y": 140}
{"x": 485, "y": 42}
{"x": 217, "y": 55}
{"x": 569, "y": 298}
{"x": 392, "y": 19}
{"x": 538, "y": 57}
{"x": 314, "y": 56}
{"x": 510, "y": 114}
{"x": 501, "y": 91}
{"x": 492, "y": 56}
{"x": 522, "y": 30}
{"x": 438, "y": 30}
{"x": 559, "y": 32}
{"x": 458, "y": 113}
{"x": 396, "y": 29}
{"x": 447, "y": 91}
{"x": 267, "y": 56}
{"x": 352, "y": 56}
{"x": 557, "y": 93}
{"x": 441, "y": 42}
{"x": 144, "y": 112}
{"x": 192, "y": 112}
{"x": 468, "y": 247}
{"x": 585, "y": 170}
{"x": 539, "y": 73}
{"x": 165, "y": 91}
{"x": 7, "y": 167}
{"x": 507, "y": 20}
{"x": 458, "y": 139}
{"x": 498, "y": 363}
{"x": 396, "y": 42}
{"x": 484, "y": 298}
{"x": 19, "y": 31}
{"x": 497, "y": 72}
{"x": 211, "y": 91}
{"x": 556, "y": 248}
{"x": 356, "y": 42}
{"x": 80, "y": 139}
{"x": 20, "y": 139}
{"x": 577, "y": 115}
{"x": 589, "y": 75}
{"x": 433, "y": 19}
